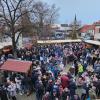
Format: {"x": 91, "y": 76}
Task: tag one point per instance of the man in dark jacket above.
{"x": 66, "y": 94}
{"x": 3, "y": 93}
{"x": 39, "y": 90}
{"x": 72, "y": 88}
{"x": 47, "y": 96}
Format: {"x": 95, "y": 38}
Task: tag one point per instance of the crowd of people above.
{"x": 59, "y": 72}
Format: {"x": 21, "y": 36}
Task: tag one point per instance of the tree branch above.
{"x": 18, "y": 37}
{"x": 16, "y": 8}
{"x": 6, "y": 2}
{"x": 12, "y": 4}
{"x": 21, "y": 15}
{"x": 8, "y": 34}
{"x": 4, "y": 16}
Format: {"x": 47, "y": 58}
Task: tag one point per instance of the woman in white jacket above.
{"x": 12, "y": 90}
{"x": 18, "y": 85}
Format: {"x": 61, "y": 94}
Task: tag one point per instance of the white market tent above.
{"x": 3, "y": 44}
{"x": 94, "y": 42}
{"x": 57, "y": 41}
{"x": 6, "y": 43}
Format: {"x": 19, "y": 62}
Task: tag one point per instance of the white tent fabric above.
{"x": 57, "y": 41}
{"x": 3, "y": 44}
{"x": 93, "y": 42}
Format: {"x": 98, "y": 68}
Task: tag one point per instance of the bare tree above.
{"x": 26, "y": 23}
{"x": 44, "y": 15}
{"x": 52, "y": 16}
{"x": 11, "y": 12}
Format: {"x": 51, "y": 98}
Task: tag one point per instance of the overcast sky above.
{"x": 87, "y": 11}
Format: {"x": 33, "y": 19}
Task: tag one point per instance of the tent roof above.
{"x": 93, "y": 42}
{"x": 16, "y": 66}
{"x": 3, "y": 44}
{"x": 57, "y": 41}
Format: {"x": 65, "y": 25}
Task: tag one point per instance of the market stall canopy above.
{"x": 6, "y": 43}
{"x": 3, "y": 44}
{"x": 94, "y": 42}
{"x": 16, "y": 66}
{"x": 57, "y": 41}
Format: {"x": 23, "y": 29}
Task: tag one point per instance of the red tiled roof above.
{"x": 85, "y": 28}
{"x": 16, "y": 66}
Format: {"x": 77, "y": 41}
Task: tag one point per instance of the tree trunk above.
{"x": 14, "y": 46}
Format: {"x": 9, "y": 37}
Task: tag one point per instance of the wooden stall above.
{"x": 17, "y": 66}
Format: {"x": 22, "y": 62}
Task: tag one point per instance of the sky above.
{"x": 87, "y": 11}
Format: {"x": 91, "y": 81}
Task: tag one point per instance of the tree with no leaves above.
{"x": 26, "y": 23}
{"x": 44, "y": 15}
{"x": 11, "y": 11}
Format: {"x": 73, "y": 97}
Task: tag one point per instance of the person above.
{"x": 29, "y": 85}
{"x": 64, "y": 60}
{"x": 89, "y": 58}
{"x": 80, "y": 69}
{"x": 76, "y": 67}
{"x": 92, "y": 94}
{"x": 66, "y": 94}
{"x": 64, "y": 81}
{"x": 49, "y": 87}
{"x": 18, "y": 84}
{"x": 46, "y": 96}
{"x": 83, "y": 95}
{"x": 94, "y": 60}
{"x": 86, "y": 87}
{"x": 97, "y": 84}
{"x": 76, "y": 97}
{"x": 85, "y": 65}
{"x": 61, "y": 65}
{"x": 56, "y": 91}
{"x": 12, "y": 90}
{"x": 39, "y": 90}
{"x": 44, "y": 81}
{"x": 24, "y": 85}
{"x": 72, "y": 88}
{"x": 55, "y": 95}
{"x": 3, "y": 93}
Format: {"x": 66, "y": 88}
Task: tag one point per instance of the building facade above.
{"x": 91, "y": 30}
